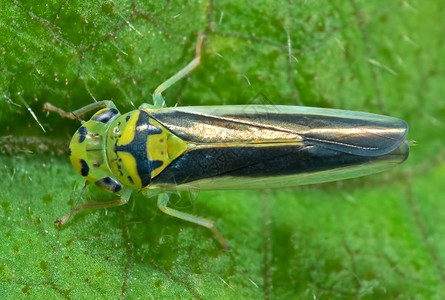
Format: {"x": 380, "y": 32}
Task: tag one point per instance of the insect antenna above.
{"x": 65, "y": 218}
{"x": 78, "y": 119}
{"x": 81, "y": 193}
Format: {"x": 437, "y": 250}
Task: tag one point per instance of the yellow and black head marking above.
{"x": 87, "y": 151}
{"x": 139, "y": 148}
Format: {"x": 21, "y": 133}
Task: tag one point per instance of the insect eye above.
{"x": 105, "y": 115}
{"x": 109, "y": 184}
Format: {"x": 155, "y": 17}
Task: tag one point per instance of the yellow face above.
{"x": 87, "y": 151}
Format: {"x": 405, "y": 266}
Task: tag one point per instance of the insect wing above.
{"x": 347, "y": 131}
{"x": 278, "y": 146}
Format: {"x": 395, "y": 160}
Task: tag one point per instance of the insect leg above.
{"x": 123, "y": 199}
{"x": 81, "y": 111}
{"x": 158, "y": 100}
{"x": 162, "y": 204}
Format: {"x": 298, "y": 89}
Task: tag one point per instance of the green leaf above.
{"x": 373, "y": 238}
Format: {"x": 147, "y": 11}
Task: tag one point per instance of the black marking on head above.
{"x": 127, "y": 118}
{"x": 85, "y": 169}
{"x": 138, "y": 148}
{"x": 83, "y": 133}
{"x": 109, "y": 184}
{"x": 105, "y": 116}
{"x": 130, "y": 179}
{"x": 69, "y": 151}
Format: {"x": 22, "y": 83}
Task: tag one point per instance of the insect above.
{"x": 156, "y": 149}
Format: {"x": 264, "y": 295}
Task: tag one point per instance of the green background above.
{"x": 376, "y": 237}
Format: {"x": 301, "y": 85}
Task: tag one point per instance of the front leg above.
{"x": 124, "y": 196}
{"x": 81, "y": 112}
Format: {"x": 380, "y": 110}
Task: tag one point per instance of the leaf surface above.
{"x": 370, "y": 238}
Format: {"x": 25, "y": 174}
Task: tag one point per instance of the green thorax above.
{"x": 138, "y": 148}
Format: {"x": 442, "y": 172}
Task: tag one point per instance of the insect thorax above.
{"x": 138, "y": 148}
